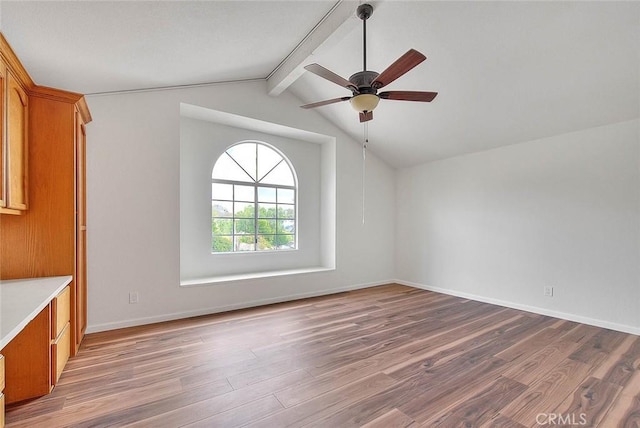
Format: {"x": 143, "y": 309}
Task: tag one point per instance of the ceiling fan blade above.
{"x": 408, "y": 96}
{"x": 402, "y": 65}
{"x": 366, "y": 116}
{"x": 331, "y": 76}
{"x": 324, "y": 103}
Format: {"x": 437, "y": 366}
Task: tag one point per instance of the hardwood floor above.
{"x": 389, "y": 356}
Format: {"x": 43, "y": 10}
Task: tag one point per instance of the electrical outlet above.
{"x": 133, "y": 297}
{"x": 548, "y": 291}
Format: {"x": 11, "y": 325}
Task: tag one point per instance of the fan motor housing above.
{"x": 364, "y": 11}
{"x": 362, "y": 80}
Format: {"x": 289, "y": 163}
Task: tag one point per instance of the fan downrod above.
{"x": 364, "y": 12}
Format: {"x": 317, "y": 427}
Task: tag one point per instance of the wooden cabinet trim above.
{"x": 12, "y": 61}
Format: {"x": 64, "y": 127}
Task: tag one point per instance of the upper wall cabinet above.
{"x": 17, "y": 110}
{"x": 3, "y": 84}
{"x": 14, "y": 110}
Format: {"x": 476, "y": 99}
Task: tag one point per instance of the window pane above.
{"x": 245, "y": 155}
{"x": 286, "y": 226}
{"x": 221, "y": 226}
{"x": 266, "y": 226}
{"x": 244, "y": 209}
{"x": 280, "y": 175}
{"x": 226, "y": 169}
{"x": 245, "y": 193}
{"x": 266, "y": 242}
{"x": 222, "y": 191}
{"x": 267, "y": 211}
{"x": 221, "y": 209}
{"x": 222, "y": 244}
{"x": 244, "y": 226}
{"x": 235, "y": 225}
{"x": 267, "y": 159}
{"x": 285, "y": 242}
{"x": 266, "y": 194}
{"x": 286, "y": 196}
{"x": 245, "y": 243}
{"x": 287, "y": 211}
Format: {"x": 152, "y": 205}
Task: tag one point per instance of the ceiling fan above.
{"x": 364, "y": 84}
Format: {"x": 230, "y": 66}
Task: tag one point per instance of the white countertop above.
{"x": 22, "y": 299}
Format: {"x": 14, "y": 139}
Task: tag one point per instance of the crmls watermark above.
{"x": 579, "y": 419}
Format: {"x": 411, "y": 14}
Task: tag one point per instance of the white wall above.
{"x": 496, "y": 225}
{"x": 133, "y": 160}
{"x": 501, "y": 224}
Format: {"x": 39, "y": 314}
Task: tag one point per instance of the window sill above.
{"x": 246, "y": 276}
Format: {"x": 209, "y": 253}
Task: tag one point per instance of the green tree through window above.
{"x": 253, "y": 200}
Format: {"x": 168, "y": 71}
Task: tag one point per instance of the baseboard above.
{"x": 218, "y": 309}
{"x": 534, "y": 309}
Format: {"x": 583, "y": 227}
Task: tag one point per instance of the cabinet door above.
{"x": 81, "y": 235}
{"x": 17, "y": 108}
{"x": 3, "y": 146}
{"x": 27, "y": 360}
{"x": 1, "y": 410}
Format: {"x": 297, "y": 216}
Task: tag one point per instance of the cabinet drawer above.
{"x": 1, "y": 373}
{"x": 60, "y": 312}
{"x": 1, "y": 410}
{"x": 60, "y": 351}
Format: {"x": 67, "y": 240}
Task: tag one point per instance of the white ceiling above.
{"x": 506, "y": 72}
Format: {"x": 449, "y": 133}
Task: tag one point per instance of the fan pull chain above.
{"x": 364, "y": 165}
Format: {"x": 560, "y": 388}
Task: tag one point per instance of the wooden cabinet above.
{"x": 80, "y": 320}
{"x": 42, "y": 179}
{"x": 1, "y": 372}
{"x": 60, "y": 333}
{"x": 1, "y": 391}
{"x": 49, "y": 239}
{"x": 17, "y": 122}
{"x": 3, "y": 139}
{"x": 60, "y": 313}
{"x": 36, "y": 357}
{"x": 27, "y": 360}
{"x": 14, "y": 135}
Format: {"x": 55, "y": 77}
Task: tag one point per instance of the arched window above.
{"x": 253, "y": 200}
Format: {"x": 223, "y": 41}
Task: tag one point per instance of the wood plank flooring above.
{"x": 389, "y": 356}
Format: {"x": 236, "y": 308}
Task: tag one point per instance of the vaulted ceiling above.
{"x": 506, "y": 72}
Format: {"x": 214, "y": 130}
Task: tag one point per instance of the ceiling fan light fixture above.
{"x": 364, "y": 102}
{"x": 364, "y": 85}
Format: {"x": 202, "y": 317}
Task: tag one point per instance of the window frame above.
{"x": 256, "y": 184}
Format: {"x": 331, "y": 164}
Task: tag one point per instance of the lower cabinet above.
{"x": 60, "y": 333}
{"x": 27, "y": 359}
{"x": 35, "y": 358}
{"x": 1, "y": 410}
{"x": 1, "y": 391}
